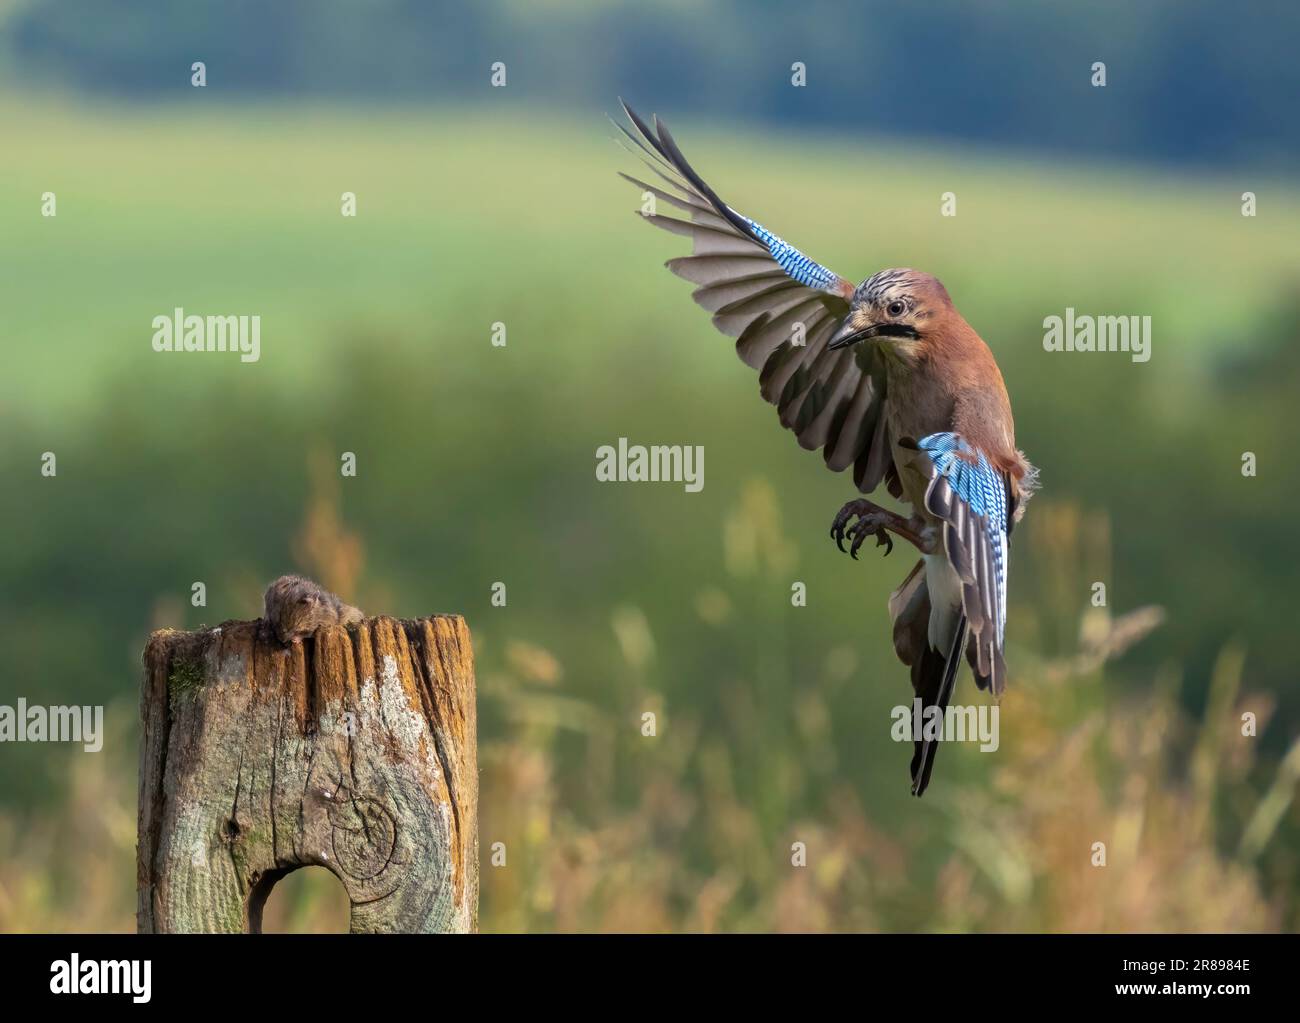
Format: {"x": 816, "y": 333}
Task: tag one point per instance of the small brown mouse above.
{"x": 297, "y": 607}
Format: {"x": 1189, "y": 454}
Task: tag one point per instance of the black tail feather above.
{"x": 933, "y": 678}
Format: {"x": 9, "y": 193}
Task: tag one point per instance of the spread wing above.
{"x": 971, "y": 498}
{"x": 780, "y": 306}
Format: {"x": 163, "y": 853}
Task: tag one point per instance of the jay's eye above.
{"x": 895, "y": 308}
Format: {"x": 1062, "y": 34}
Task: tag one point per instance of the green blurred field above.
{"x": 477, "y": 465}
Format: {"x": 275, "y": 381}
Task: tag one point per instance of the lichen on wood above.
{"x": 354, "y": 749}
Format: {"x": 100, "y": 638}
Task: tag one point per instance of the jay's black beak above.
{"x": 847, "y": 334}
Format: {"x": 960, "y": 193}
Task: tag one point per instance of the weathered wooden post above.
{"x": 355, "y": 752}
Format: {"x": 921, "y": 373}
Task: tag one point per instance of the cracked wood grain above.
{"x": 354, "y": 750}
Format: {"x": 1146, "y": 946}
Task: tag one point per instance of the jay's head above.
{"x": 897, "y": 308}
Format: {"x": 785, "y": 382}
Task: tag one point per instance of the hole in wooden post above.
{"x": 306, "y": 900}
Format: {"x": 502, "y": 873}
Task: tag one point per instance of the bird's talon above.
{"x": 869, "y": 522}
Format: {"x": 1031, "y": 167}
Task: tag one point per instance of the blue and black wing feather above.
{"x": 792, "y": 262}
{"x": 971, "y": 498}
{"x": 781, "y": 307}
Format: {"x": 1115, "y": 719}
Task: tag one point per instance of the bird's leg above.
{"x": 878, "y": 522}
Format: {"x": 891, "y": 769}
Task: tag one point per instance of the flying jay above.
{"x": 885, "y": 377}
